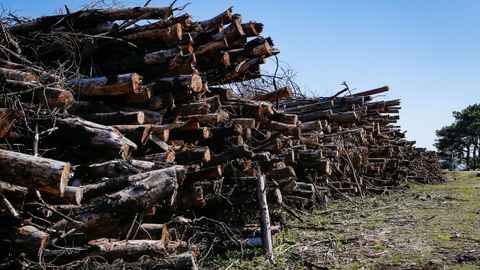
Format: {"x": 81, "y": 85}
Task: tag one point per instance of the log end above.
{"x": 136, "y": 83}
{"x": 178, "y": 31}
{"x": 207, "y": 155}
{"x": 196, "y": 83}
{"x": 140, "y": 118}
{"x": 206, "y": 132}
{"x": 64, "y": 100}
{"x": 64, "y": 177}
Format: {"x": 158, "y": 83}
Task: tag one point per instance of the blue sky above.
{"x": 427, "y": 51}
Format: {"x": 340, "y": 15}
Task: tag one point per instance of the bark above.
{"x": 17, "y": 75}
{"x": 55, "y": 97}
{"x": 116, "y": 118}
{"x": 107, "y": 86}
{"x": 264, "y": 215}
{"x": 34, "y": 172}
{"x": 284, "y": 92}
{"x": 111, "y": 185}
{"x": 28, "y": 239}
{"x": 88, "y": 18}
{"x": 7, "y": 119}
{"x": 81, "y": 132}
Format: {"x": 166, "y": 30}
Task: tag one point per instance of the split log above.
{"x": 206, "y": 119}
{"x": 223, "y": 93}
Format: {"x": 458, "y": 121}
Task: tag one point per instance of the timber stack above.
{"x": 120, "y": 138}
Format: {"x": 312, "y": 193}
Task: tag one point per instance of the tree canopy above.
{"x": 458, "y": 143}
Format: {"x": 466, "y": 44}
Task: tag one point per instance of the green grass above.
{"x": 435, "y": 225}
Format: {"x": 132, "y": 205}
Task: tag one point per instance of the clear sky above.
{"x": 427, "y": 51}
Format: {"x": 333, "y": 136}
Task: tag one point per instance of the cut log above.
{"x": 7, "y": 119}
{"x": 264, "y": 215}
{"x": 34, "y": 172}
{"x": 87, "y": 18}
{"x": 79, "y": 131}
{"x": 107, "y": 86}
{"x": 95, "y": 219}
{"x": 17, "y": 75}
{"x": 193, "y": 155}
{"x": 284, "y": 92}
{"x": 219, "y": 20}
{"x": 28, "y": 239}
{"x": 116, "y": 118}
{"x": 128, "y": 250}
{"x": 13, "y": 192}
{"x": 54, "y": 97}
{"x": 111, "y": 185}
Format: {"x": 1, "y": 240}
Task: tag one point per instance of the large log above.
{"x": 34, "y": 172}
{"x": 116, "y": 118}
{"x": 111, "y": 185}
{"x": 55, "y": 97}
{"x": 89, "y": 18}
{"x": 27, "y": 239}
{"x": 107, "y": 86}
{"x": 89, "y": 134}
{"x": 284, "y": 92}
{"x": 96, "y": 219}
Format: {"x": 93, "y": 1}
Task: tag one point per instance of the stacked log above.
{"x": 124, "y": 158}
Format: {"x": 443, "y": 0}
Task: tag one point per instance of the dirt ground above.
{"x": 424, "y": 227}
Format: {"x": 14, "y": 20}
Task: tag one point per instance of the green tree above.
{"x": 459, "y": 141}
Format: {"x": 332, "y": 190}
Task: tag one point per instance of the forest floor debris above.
{"x": 425, "y": 227}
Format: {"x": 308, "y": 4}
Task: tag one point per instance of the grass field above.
{"x": 424, "y": 227}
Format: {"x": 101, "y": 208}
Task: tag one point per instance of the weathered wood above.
{"x": 111, "y": 185}
{"x": 55, "y": 97}
{"x": 193, "y": 155}
{"x": 7, "y": 119}
{"x": 219, "y": 20}
{"x": 128, "y": 250}
{"x": 116, "y": 118}
{"x": 28, "y": 239}
{"x": 107, "y": 86}
{"x": 284, "y": 92}
{"x": 18, "y": 75}
{"x": 34, "y": 172}
{"x": 13, "y": 192}
{"x": 264, "y": 215}
{"x": 88, "y": 18}
{"x": 140, "y": 195}
{"x": 79, "y": 131}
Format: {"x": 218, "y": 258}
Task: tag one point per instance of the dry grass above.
{"x": 426, "y": 227}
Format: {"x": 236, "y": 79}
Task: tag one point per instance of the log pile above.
{"x": 120, "y": 138}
